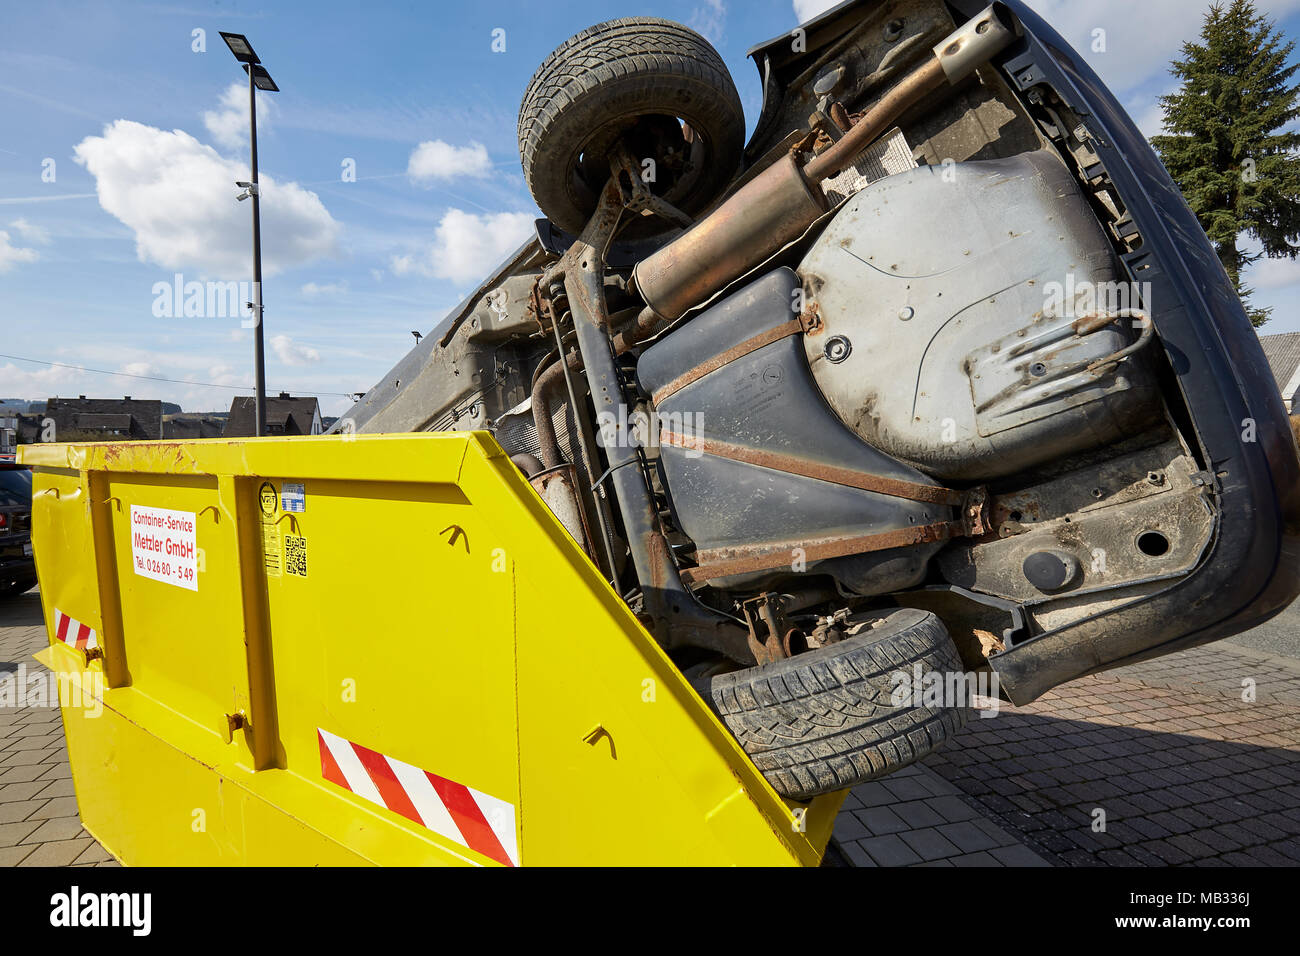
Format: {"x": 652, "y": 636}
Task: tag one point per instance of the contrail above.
{"x": 16, "y": 200}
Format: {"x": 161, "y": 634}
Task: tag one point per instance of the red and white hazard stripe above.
{"x": 71, "y": 631}
{"x": 460, "y": 813}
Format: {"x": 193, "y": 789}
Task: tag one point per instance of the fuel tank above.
{"x": 949, "y": 296}
{"x": 764, "y": 401}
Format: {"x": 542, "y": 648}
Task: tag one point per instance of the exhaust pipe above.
{"x": 780, "y": 203}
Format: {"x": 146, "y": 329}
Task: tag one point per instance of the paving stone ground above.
{"x": 917, "y": 818}
{"x": 1183, "y": 768}
{"x": 39, "y": 823}
{"x": 1160, "y": 763}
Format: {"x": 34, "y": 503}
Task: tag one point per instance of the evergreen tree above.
{"x": 1225, "y": 144}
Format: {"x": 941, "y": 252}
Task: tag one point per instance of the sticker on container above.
{"x": 269, "y": 503}
{"x": 293, "y": 498}
{"x": 164, "y": 546}
{"x": 295, "y": 555}
{"x": 27, "y": 549}
{"x": 271, "y": 549}
{"x": 266, "y": 500}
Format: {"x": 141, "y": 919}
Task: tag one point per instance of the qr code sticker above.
{"x": 295, "y": 555}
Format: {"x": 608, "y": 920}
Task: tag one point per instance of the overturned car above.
{"x": 938, "y": 374}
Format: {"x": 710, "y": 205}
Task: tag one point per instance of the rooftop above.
{"x": 1283, "y": 354}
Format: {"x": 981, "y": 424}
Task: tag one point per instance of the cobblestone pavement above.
{"x": 1154, "y": 764}
{"x": 39, "y": 824}
{"x": 917, "y": 818}
{"x": 1184, "y": 770}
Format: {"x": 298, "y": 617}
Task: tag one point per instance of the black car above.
{"x": 17, "y": 568}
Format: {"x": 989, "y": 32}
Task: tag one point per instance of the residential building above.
{"x": 285, "y": 415}
{"x": 1283, "y": 354}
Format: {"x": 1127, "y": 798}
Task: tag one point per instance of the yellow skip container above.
{"x": 370, "y": 649}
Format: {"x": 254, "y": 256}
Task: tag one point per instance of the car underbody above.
{"x": 947, "y": 347}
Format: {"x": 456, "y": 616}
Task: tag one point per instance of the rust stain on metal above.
{"x": 549, "y": 382}
{"x": 771, "y": 636}
{"x": 976, "y": 512}
{"x": 661, "y": 559}
{"x": 539, "y": 307}
{"x": 811, "y": 319}
{"x": 1015, "y": 510}
{"x": 840, "y": 116}
{"x": 751, "y": 344}
{"x": 772, "y": 209}
{"x": 902, "y": 97}
{"x": 748, "y": 559}
{"x": 645, "y": 324}
{"x": 895, "y": 488}
{"x": 558, "y": 487}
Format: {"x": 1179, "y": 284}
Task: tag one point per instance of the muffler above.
{"x": 780, "y": 203}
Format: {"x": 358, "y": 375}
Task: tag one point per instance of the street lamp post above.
{"x": 258, "y": 79}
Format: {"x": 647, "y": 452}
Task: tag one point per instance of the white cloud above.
{"x": 31, "y": 232}
{"x": 10, "y": 255}
{"x": 36, "y": 384}
{"x": 291, "y": 353}
{"x": 228, "y": 124}
{"x": 435, "y": 159}
{"x": 313, "y": 289}
{"x": 178, "y": 196}
{"x": 1268, "y": 274}
{"x": 213, "y": 362}
{"x": 73, "y": 378}
{"x": 708, "y": 20}
{"x": 805, "y": 10}
{"x": 467, "y": 246}
{"x": 1273, "y": 274}
{"x": 1140, "y": 39}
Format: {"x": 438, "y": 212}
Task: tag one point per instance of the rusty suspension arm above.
{"x": 674, "y": 615}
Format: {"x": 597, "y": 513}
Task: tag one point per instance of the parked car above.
{"x": 17, "y": 567}
{"x": 936, "y": 377}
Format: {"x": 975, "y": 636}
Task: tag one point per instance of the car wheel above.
{"x": 655, "y": 84}
{"x": 13, "y": 587}
{"x": 825, "y": 720}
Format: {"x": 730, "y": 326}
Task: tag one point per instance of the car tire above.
{"x": 15, "y": 586}
{"x": 824, "y": 720}
{"x": 597, "y": 87}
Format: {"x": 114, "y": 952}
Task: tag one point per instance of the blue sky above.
{"x": 146, "y": 138}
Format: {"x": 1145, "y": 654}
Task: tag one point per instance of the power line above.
{"x": 151, "y": 378}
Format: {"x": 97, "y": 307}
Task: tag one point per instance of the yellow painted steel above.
{"x": 496, "y": 657}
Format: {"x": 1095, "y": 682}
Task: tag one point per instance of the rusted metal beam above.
{"x": 792, "y": 465}
{"x": 670, "y": 611}
{"x": 751, "y": 344}
{"x": 749, "y": 559}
